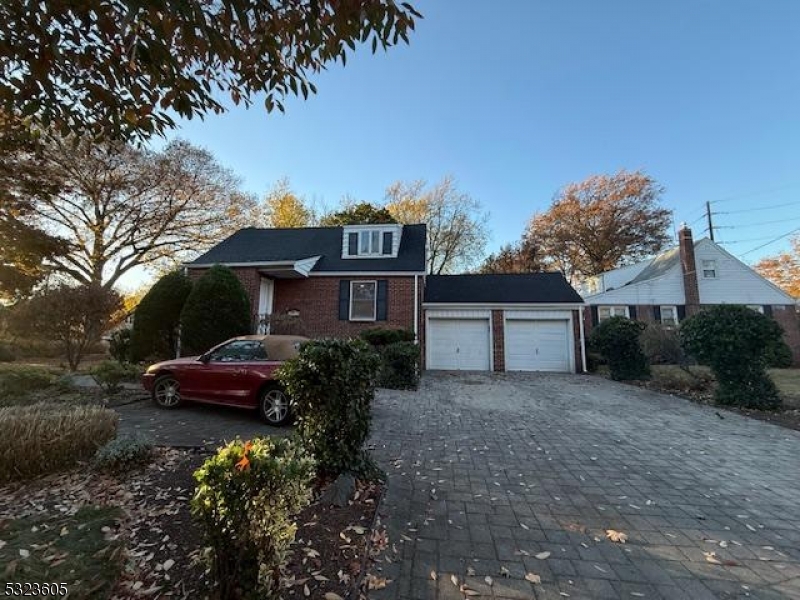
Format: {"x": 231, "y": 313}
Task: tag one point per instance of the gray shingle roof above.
{"x": 544, "y": 288}
{"x": 254, "y": 245}
{"x": 658, "y": 266}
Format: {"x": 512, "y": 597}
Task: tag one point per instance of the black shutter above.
{"x": 595, "y": 319}
{"x": 632, "y": 313}
{"x": 657, "y": 314}
{"x": 768, "y": 310}
{"x": 387, "y": 242}
{"x": 681, "y": 312}
{"x": 344, "y": 300}
{"x": 352, "y": 244}
{"x": 381, "y": 304}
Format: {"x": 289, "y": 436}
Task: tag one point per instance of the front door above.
{"x": 265, "y": 299}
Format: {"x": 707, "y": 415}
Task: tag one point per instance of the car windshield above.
{"x": 239, "y": 350}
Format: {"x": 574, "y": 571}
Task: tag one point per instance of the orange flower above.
{"x": 245, "y": 462}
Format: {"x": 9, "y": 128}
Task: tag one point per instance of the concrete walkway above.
{"x": 487, "y": 471}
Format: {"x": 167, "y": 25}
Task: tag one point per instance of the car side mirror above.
{"x": 205, "y": 358}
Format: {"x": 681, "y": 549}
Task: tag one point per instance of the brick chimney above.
{"x": 689, "y": 269}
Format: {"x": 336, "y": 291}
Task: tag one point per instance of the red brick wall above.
{"x": 498, "y": 340}
{"x": 788, "y": 319}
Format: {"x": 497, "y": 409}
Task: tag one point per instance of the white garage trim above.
{"x": 433, "y": 315}
{"x": 542, "y": 315}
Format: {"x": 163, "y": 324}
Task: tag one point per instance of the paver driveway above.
{"x": 486, "y": 471}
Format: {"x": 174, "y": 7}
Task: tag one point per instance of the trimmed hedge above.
{"x": 23, "y": 380}
{"x": 157, "y": 317}
{"x": 617, "y": 340}
{"x": 246, "y": 497}
{"x": 399, "y": 368}
{"x": 332, "y": 384}
{"x": 733, "y": 341}
{"x": 380, "y": 336}
{"x": 216, "y": 309}
{"x": 43, "y": 438}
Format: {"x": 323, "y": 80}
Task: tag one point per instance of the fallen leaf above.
{"x": 454, "y": 579}
{"x": 504, "y": 571}
{"x": 168, "y": 564}
{"x": 616, "y": 536}
{"x": 533, "y": 578}
{"x": 543, "y": 555}
{"x": 332, "y": 596}
{"x": 24, "y": 553}
{"x": 434, "y": 576}
{"x": 712, "y": 558}
{"x": 470, "y": 571}
{"x": 489, "y": 581}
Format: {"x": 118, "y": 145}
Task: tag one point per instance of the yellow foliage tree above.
{"x": 284, "y": 209}
{"x": 784, "y": 269}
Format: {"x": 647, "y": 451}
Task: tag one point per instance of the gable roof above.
{"x": 258, "y": 246}
{"x": 659, "y": 265}
{"x": 527, "y": 288}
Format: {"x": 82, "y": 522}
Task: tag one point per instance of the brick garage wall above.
{"x": 498, "y": 341}
{"x": 576, "y": 334}
{"x": 788, "y": 319}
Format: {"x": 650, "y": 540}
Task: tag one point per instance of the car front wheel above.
{"x": 167, "y": 392}
{"x": 273, "y": 405}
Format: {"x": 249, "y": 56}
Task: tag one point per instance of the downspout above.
{"x": 583, "y": 340}
{"x": 416, "y": 310}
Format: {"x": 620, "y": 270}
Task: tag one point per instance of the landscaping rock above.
{"x": 340, "y": 492}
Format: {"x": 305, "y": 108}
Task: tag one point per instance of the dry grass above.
{"x": 788, "y": 382}
{"x": 43, "y": 438}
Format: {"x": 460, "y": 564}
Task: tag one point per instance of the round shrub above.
{"x": 617, "y": 340}
{"x": 399, "y": 368}
{"x": 332, "y": 384}
{"x": 123, "y": 454}
{"x": 779, "y": 355}
{"x": 110, "y": 375}
{"x": 157, "y": 317}
{"x": 733, "y": 340}
{"x": 245, "y": 499}
{"x": 216, "y": 309}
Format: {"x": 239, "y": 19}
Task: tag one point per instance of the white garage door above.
{"x": 533, "y": 345}
{"x": 458, "y": 344}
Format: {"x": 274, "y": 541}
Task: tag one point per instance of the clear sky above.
{"x": 516, "y": 98}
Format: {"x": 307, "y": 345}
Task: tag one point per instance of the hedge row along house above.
{"x": 338, "y": 281}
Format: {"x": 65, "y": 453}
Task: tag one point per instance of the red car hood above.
{"x": 175, "y": 361}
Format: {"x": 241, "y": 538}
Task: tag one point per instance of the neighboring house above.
{"x": 683, "y": 280}
{"x": 338, "y": 281}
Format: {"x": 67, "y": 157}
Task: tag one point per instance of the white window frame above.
{"x": 374, "y": 242}
{"x": 374, "y": 282}
{"x": 709, "y": 266}
{"x": 675, "y": 319}
{"x": 759, "y": 308}
{"x": 613, "y": 311}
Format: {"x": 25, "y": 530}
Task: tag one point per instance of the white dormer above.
{"x": 371, "y": 241}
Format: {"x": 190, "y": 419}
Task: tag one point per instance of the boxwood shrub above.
{"x": 380, "y": 336}
{"x": 332, "y": 383}
{"x": 157, "y": 317}
{"x": 123, "y": 454}
{"x": 617, "y": 340}
{"x": 399, "y": 369}
{"x": 245, "y": 499}
{"x": 733, "y": 341}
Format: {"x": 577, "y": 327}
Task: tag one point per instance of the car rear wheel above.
{"x": 167, "y": 392}
{"x": 273, "y": 405}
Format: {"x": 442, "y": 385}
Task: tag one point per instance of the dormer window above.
{"x": 371, "y": 241}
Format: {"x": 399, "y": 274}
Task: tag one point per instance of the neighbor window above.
{"x": 363, "y": 296}
{"x": 756, "y": 307}
{"x": 606, "y": 312}
{"x": 369, "y": 242}
{"x": 709, "y": 269}
{"x": 669, "y": 315}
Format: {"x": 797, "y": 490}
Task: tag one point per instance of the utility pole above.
{"x": 710, "y": 222}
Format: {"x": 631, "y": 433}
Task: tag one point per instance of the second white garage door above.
{"x": 458, "y": 344}
{"x": 537, "y": 345}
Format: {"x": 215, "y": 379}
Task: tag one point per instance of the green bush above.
{"x": 617, "y": 340}
{"x": 779, "y": 355}
{"x": 157, "y": 318}
{"x": 216, "y": 309}
{"x": 662, "y": 345}
{"x": 23, "y": 380}
{"x": 123, "y": 454}
{"x": 110, "y": 374}
{"x": 399, "y": 369}
{"x": 119, "y": 346}
{"x": 246, "y": 497}
{"x": 7, "y": 354}
{"x": 732, "y": 340}
{"x": 594, "y": 360}
{"x": 379, "y": 336}
{"x": 332, "y": 383}
{"x": 44, "y": 438}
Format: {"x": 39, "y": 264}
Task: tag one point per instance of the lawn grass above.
{"x": 76, "y": 550}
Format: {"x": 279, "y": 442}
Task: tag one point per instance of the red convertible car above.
{"x": 239, "y": 372}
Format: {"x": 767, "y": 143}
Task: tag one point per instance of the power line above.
{"x": 747, "y": 210}
{"x": 780, "y": 237}
{"x": 756, "y": 193}
{"x": 757, "y": 224}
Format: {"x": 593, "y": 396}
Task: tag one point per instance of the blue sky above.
{"x": 517, "y": 98}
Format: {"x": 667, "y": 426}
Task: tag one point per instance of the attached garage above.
{"x": 529, "y": 322}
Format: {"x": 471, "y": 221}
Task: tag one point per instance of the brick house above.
{"x": 338, "y": 281}
{"x": 681, "y": 281}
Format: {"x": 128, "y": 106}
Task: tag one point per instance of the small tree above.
{"x": 216, "y": 309}
{"x": 363, "y": 213}
{"x": 617, "y": 340}
{"x": 733, "y": 341}
{"x": 157, "y": 318}
{"x": 74, "y": 316}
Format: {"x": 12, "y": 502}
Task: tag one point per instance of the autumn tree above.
{"x": 601, "y": 223}
{"x": 124, "y": 68}
{"x": 784, "y": 269}
{"x": 25, "y": 247}
{"x": 457, "y": 225}
{"x": 362, "y": 213}
{"x": 283, "y": 208}
{"x": 120, "y": 207}
{"x": 520, "y": 257}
